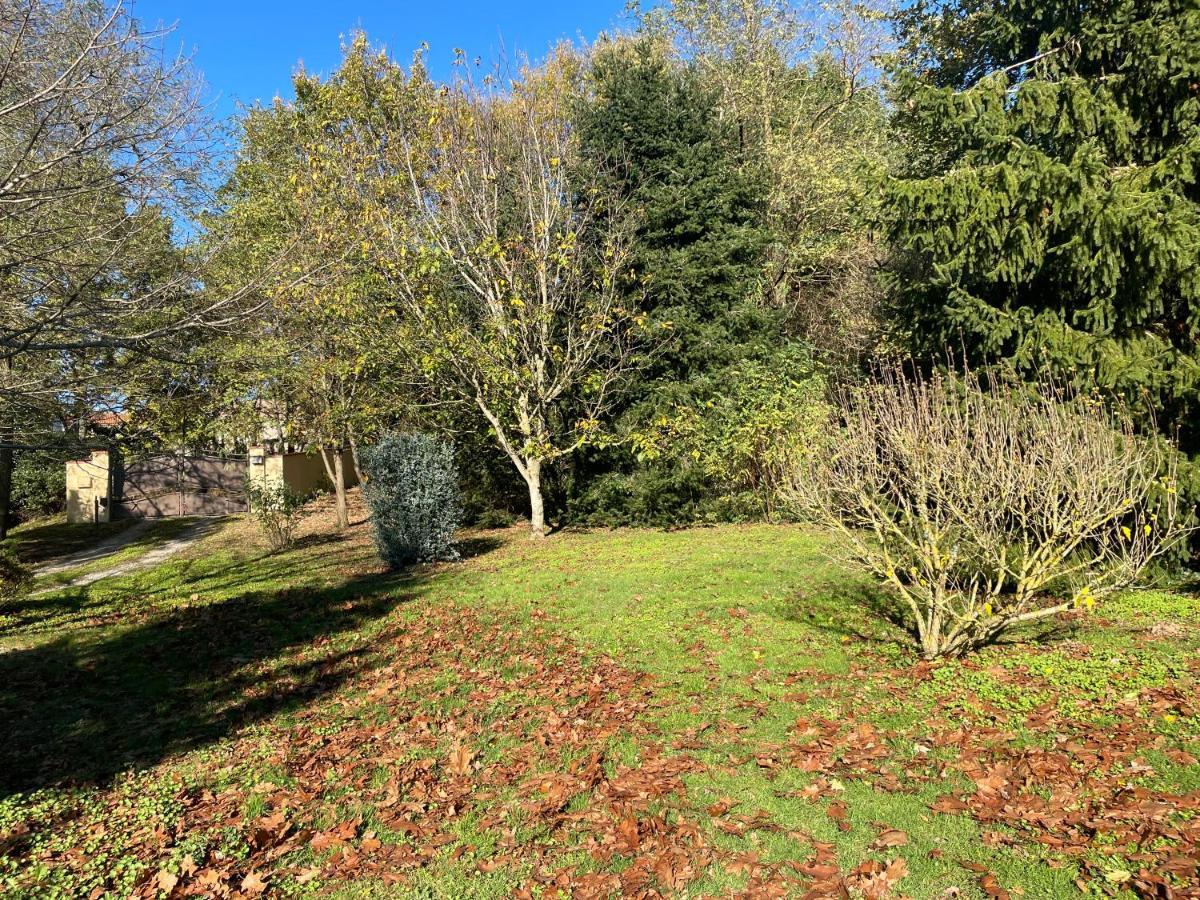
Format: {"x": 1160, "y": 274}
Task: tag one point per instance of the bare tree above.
{"x": 986, "y": 507}
{"x": 104, "y": 145}
{"x": 506, "y": 270}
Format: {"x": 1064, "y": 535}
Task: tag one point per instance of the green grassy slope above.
{"x": 158, "y": 720}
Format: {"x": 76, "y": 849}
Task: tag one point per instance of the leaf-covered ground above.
{"x": 712, "y": 712}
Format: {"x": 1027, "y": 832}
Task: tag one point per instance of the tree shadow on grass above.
{"x": 857, "y": 610}
{"x": 1047, "y": 633}
{"x": 40, "y": 542}
{"x": 873, "y": 615}
{"x": 475, "y": 545}
{"x": 316, "y": 539}
{"x": 92, "y": 703}
{"x": 121, "y": 598}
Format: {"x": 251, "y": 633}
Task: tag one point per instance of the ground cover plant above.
{"x": 698, "y": 713}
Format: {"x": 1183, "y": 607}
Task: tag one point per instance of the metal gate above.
{"x": 179, "y": 484}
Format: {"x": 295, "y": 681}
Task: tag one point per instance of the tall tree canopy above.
{"x": 650, "y": 128}
{"x": 103, "y": 146}
{"x": 500, "y": 273}
{"x": 798, "y": 85}
{"x": 319, "y": 359}
{"x": 1050, "y": 211}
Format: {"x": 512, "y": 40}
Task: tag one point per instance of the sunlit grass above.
{"x": 745, "y": 631}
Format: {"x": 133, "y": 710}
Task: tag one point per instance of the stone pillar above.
{"x": 264, "y": 466}
{"x": 89, "y": 487}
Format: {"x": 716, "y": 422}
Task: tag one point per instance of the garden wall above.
{"x": 301, "y": 472}
{"x": 89, "y": 486}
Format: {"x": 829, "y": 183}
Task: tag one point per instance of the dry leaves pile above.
{"x": 1082, "y": 783}
{"x": 540, "y": 762}
{"x": 444, "y": 755}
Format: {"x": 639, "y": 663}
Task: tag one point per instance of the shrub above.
{"x": 496, "y": 518}
{"x": 984, "y": 507}
{"x": 14, "y": 575}
{"x": 743, "y": 437}
{"x": 277, "y": 510}
{"x": 412, "y": 491}
{"x": 656, "y": 493}
{"x": 39, "y": 484}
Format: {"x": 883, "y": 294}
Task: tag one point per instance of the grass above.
{"x": 41, "y": 540}
{"x": 158, "y": 533}
{"x": 157, "y": 720}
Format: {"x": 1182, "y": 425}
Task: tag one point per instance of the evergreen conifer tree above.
{"x": 1050, "y": 212}
{"x": 652, "y": 128}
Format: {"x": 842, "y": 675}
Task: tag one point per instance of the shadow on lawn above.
{"x": 90, "y": 704}
{"x": 857, "y": 610}
{"x": 475, "y": 545}
{"x": 40, "y": 542}
{"x": 870, "y": 614}
{"x": 469, "y": 546}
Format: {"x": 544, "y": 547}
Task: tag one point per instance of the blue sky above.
{"x": 248, "y": 50}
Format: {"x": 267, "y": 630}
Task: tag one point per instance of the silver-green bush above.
{"x": 412, "y": 491}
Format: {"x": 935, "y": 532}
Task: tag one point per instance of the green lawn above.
{"x": 155, "y": 535}
{"x": 697, "y": 713}
{"x": 41, "y": 540}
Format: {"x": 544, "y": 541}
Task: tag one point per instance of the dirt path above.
{"x": 99, "y": 550}
{"x": 116, "y": 543}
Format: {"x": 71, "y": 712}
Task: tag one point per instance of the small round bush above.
{"x": 277, "y": 509}
{"x": 412, "y": 491}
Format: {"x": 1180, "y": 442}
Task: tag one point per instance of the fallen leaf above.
{"x": 253, "y": 883}
{"x": 627, "y": 830}
{"x": 460, "y": 760}
{"x": 166, "y": 881}
{"x": 837, "y": 812}
{"x": 889, "y": 837}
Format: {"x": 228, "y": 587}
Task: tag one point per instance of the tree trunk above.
{"x": 358, "y": 472}
{"x": 6, "y": 468}
{"x": 339, "y": 489}
{"x": 537, "y": 509}
{"x": 7, "y": 436}
{"x": 337, "y": 477}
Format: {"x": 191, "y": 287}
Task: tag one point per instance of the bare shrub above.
{"x": 985, "y": 506}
